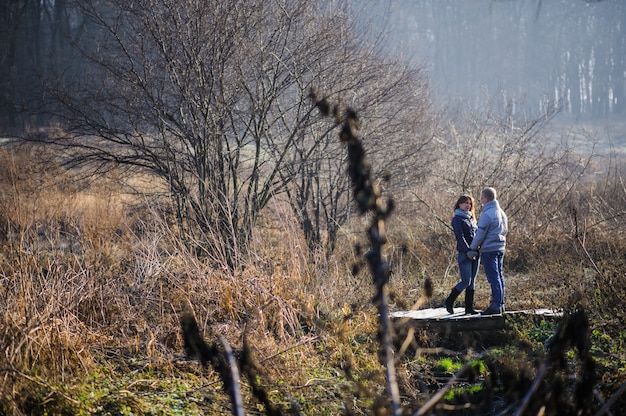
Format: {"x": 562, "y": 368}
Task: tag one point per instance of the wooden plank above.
{"x": 538, "y": 312}
{"x": 458, "y": 321}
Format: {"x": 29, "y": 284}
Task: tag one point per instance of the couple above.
{"x": 488, "y": 237}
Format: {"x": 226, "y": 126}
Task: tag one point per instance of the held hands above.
{"x": 472, "y": 255}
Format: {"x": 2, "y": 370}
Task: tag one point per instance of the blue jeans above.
{"x": 468, "y": 269}
{"x": 492, "y": 264}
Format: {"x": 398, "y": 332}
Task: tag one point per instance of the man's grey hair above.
{"x": 490, "y": 193}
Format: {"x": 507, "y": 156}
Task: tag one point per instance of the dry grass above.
{"x": 92, "y": 292}
{"x": 86, "y": 284}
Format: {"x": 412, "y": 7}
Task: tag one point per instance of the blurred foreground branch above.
{"x": 227, "y": 363}
{"x": 369, "y": 202}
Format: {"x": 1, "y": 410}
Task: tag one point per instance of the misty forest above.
{"x": 222, "y": 207}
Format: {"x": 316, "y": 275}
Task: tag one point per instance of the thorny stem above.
{"x": 369, "y": 202}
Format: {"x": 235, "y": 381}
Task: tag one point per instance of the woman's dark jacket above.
{"x": 464, "y": 229}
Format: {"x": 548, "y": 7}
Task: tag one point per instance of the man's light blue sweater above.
{"x": 492, "y": 229}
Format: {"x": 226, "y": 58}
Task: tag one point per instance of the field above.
{"x": 94, "y": 282}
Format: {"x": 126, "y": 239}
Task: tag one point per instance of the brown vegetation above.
{"x": 94, "y": 283}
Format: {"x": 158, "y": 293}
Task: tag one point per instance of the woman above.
{"x": 464, "y": 225}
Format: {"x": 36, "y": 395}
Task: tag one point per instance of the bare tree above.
{"x": 211, "y": 99}
{"x": 398, "y": 128}
{"x": 398, "y": 131}
{"x": 206, "y": 97}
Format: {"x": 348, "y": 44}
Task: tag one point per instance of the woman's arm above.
{"x": 461, "y": 243}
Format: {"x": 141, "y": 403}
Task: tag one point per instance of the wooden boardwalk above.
{"x": 439, "y": 317}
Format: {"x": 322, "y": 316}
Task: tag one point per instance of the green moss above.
{"x": 448, "y": 365}
{"x": 457, "y": 392}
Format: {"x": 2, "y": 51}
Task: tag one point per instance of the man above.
{"x": 490, "y": 239}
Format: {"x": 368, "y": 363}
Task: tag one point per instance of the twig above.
{"x": 581, "y": 241}
{"x": 605, "y": 409}
{"x": 533, "y": 388}
{"x": 304, "y": 341}
{"x": 234, "y": 374}
{"x": 250, "y": 369}
{"x": 407, "y": 342}
{"x": 394, "y": 390}
{"x": 601, "y": 400}
{"x": 222, "y": 360}
{"x": 593, "y": 263}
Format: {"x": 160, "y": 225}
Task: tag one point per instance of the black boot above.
{"x": 491, "y": 311}
{"x": 469, "y": 302}
{"x": 450, "y": 300}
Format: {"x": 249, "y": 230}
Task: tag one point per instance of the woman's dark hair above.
{"x": 465, "y": 198}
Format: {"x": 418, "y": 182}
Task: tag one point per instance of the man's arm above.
{"x": 481, "y": 232}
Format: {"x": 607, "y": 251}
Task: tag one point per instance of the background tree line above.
{"x": 529, "y": 52}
